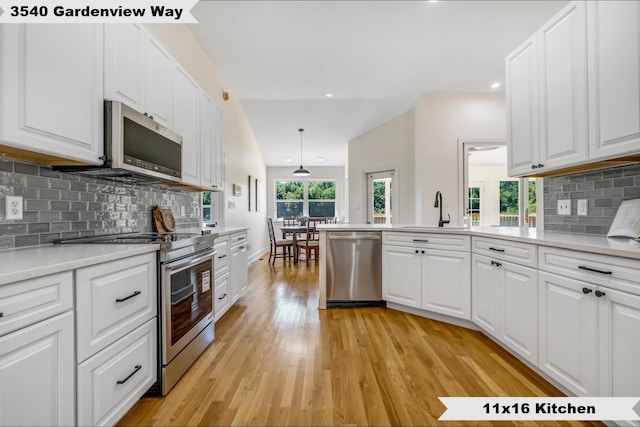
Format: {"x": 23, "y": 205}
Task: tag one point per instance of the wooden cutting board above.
{"x": 163, "y": 219}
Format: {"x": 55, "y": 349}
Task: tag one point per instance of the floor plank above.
{"x": 278, "y": 360}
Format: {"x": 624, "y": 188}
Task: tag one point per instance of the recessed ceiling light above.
{"x": 320, "y": 159}
{"x": 495, "y": 85}
{"x": 329, "y": 95}
{"x": 287, "y": 159}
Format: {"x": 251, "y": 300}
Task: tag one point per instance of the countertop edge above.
{"x": 225, "y": 231}
{"x": 66, "y": 265}
{"x": 598, "y": 245}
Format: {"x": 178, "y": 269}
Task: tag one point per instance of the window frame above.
{"x": 305, "y": 195}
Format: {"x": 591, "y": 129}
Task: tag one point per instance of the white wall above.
{"x": 243, "y": 156}
{"x": 440, "y": 122}
{"x": 317, "y": 172}
{"x": 388, "y": 147}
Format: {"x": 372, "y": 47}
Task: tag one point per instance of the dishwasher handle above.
{"x": 359, "y": 237}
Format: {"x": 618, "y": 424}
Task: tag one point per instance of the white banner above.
{"x": 96, "y": 11}
{"x": 541, "y": 408}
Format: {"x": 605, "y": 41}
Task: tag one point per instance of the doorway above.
{"x": 380, "y": 197}
{"x": 491, "y": 197}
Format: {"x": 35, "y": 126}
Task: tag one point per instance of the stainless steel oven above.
{"x": 187, "y": 313}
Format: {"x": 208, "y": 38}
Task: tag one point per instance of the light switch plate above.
{"x": 564, "y": 207}
{"x": 582, "y": 207}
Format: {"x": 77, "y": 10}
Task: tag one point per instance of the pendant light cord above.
{"x": 300, "y": 130}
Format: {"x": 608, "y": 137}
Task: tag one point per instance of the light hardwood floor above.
{"x": 278, "y": 360}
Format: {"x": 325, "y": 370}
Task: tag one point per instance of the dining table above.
{"x": 295, "y": 230}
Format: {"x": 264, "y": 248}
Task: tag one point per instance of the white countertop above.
{"x": 579, "y": 242}
{"x": 34, "y": 261}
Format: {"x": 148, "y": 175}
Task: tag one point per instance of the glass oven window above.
{"x": 191, "y": 298}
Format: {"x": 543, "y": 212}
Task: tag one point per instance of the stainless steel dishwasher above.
{"x": 354, "y": 272}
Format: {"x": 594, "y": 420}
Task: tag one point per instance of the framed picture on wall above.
{"x": 251, "y": 193}
{"x": 257, "y": 193}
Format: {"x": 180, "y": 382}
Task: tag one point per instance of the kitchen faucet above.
{"x": 438, "y": 203}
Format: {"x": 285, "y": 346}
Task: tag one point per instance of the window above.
{"x": 289, "y": 198}
{"x": 474, "y": 205}
{"x": 206, "y": 207}
{"x": 509, "y": 201}
{"x": 313, "y": 198}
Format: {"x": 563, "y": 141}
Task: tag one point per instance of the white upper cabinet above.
{"x": 547, "y": 96}
{"x": 52, "y": 90}
{"x": 210, "y": 144}
{"x": 563, "y": 88}
{"x": 138, "y": 71}
{"x": 614, "y": 78}
{"x": 185, "y": 123}
{"x": 158, "y": 75}
{"x": 522, "y": 108}
{"x": 124, "y": 63}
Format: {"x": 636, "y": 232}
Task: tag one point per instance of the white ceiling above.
{"x": 377, "y": 58}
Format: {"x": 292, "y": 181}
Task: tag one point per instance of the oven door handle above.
{"x": 191, "y": 262}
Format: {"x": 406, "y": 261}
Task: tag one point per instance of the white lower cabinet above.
{"x": 568, "y": 333}
{"x": 505, "y": 303}
{"x": 37, "y": 380}
{"x": 416, "y": 275}
{"x": 112, "y": 381}
{"x": 402, "y": 275}
{"x": 222, "y": 296}
{"x": 590, "y": 322}
{"x": 238, "y": 262}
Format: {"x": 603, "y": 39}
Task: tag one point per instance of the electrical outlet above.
{"x": 13, "y": 209}
{"x": 582, "y": 207}
{"x": 564, "y": 207}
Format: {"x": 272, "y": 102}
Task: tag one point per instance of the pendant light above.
{"x": 301, "y": 171}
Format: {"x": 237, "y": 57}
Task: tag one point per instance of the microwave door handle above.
{"x": 189, "y": 263}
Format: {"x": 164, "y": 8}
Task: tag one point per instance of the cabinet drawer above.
{"x": 238, "y": 239}
{"x": 221, "y": 264}
{"x": 616, "y": 273}
{"x": 112, "y": 299}
{"x": 222, "y": 296}
{"x": 506, "y": 250}
{"x": 450, "y": 242}
{"x": 27, "y": 302}
{"x": 113, "y": 380}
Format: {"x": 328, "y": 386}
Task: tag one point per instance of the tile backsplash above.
{"x": 604, "y": 190}
{"x": 61, "y": 205}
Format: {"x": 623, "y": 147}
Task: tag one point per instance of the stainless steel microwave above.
{"x": 136, "y": 149}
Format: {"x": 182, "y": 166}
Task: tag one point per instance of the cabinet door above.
{"x": 37, "y": 374}
{"x": 619, "y": 346}
{"x": 238, "y": 267}
{"x": 520, "y": 310}
{"x": 568, "y": 331}
{"x": 52, "y": 83}
{"x": 207, "y": 160}
{"x": 222, "y": 296}
{"x": 158, "y": 75}
{"x": 446, "y": 283}
{"x": 124, "y": 64}
{"x": 218, "y": 148}
{"x": 614, "y": 76}
{"x": 185, "y": 123}
{"x": 402, "y": 275}
{"x": 563, "y": 88}
{"x": 486, "y": 282}
{"x": 522, "y": 109}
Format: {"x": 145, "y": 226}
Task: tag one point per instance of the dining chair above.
{"x": 310, "y": 244}
{"x": 313, "y": 222}
{"x": 288, "y": 221}
{"x": 286, "y": 245}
